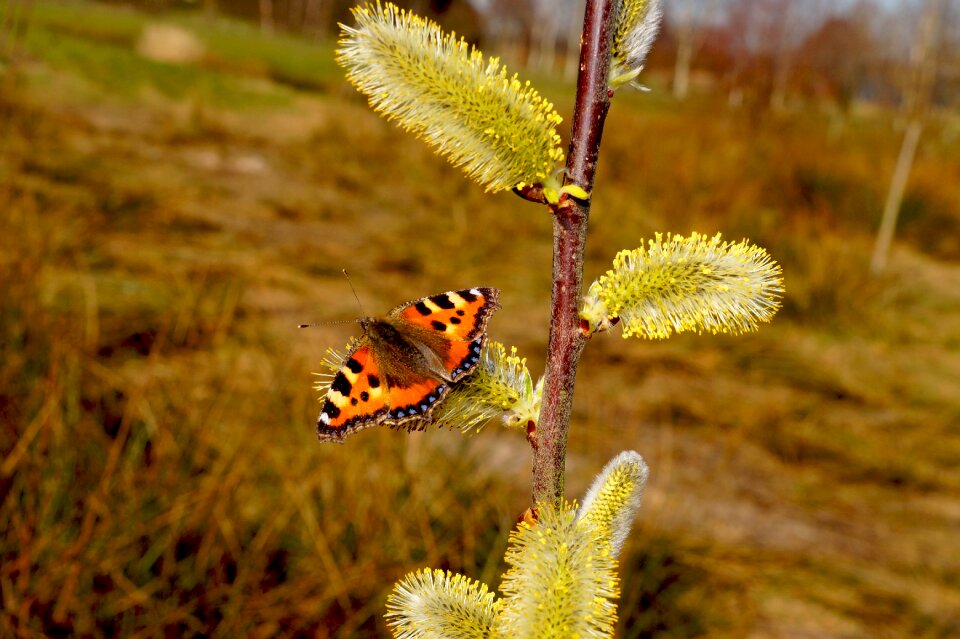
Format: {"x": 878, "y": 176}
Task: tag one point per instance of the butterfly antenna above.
{"x": 330, "y": 323}
{"x": 355, "y": 296}
{"x": 333, "y": 322}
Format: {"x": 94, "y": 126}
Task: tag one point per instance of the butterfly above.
{"x": 403, "y": 366}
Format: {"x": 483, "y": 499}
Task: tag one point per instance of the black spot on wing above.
{"x": 470, "y": 360}
{"x": 420, "y": 407}
{"x": 443, "y": 301}
{"x": 454, "y": 320}
{"x": 330, "y": 410}
{"x": 422, "y": 308}
{"x": 438, "y": 326}
{"x": 341, "y": 384}
{"x": 374, "y": 381}
{"x": 354, "y": 366}
{"x": 484, "y": 302}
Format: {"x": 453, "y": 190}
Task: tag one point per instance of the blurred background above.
{"x": 181, "y": 184}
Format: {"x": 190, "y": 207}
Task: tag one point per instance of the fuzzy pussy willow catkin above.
{"x": 433, "y": 604}
{"x": 562, "y": 580}
{"x": 636, "y": 27}
{"x": 499, "y": 129}
{"x": 678, "y": 284}
{"x": 501, "y": 386}
{"x": 614, "y": 497}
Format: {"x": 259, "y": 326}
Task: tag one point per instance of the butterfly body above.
{"x": 404, "y": 364}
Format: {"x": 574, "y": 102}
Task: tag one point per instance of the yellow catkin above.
{"x": 501, "y": 386}
{"x": 434, "y": 604}
{"x": 636, "y": 27}
{"x": 562, "y": 580}
{"x": 466, "y": 106}
{"x": 677, "y": 284}
{"x": 613, "y": 499}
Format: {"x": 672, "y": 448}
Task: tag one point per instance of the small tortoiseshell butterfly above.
{"x": 404, "y": 363}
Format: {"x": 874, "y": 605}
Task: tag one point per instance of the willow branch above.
{"x": 569, "y": 238}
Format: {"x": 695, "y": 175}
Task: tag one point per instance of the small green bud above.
{"x": 575, "y": 191}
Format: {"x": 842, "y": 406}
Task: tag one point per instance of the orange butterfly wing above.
{"x": 460, "y": 317}
{"x": 359, "y": 397}
{"x": 415, "y": 400}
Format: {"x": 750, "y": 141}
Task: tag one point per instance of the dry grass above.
{"x": 158, "y": 473}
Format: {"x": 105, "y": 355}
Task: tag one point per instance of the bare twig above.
{"x": 916, "y": 100}
{"x": 569, "y": 232}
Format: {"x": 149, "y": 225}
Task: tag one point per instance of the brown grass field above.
{"x": 163, "y": 229}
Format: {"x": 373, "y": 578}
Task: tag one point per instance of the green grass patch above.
{"x": 99, "y": 43}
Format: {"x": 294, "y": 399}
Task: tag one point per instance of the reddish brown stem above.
{"x": 569, "y": 238}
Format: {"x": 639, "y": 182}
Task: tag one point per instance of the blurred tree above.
{"x": 572, "y": 47}
{"x": 543, "y": 42}
{"x": 687, "y": 18}
{"x": 540, "y": 34}
{"x": 835, "y": 58}
{"x": 507, "y": 24}
{"x": 555, "y": 33}
{"x": 266, "y": 15}
{"x": 916, "y": 101}
{"x": 316, "y": 17}
{"x": 796, "y": 20}
{"x": 320, "y": 17}
{"x": 946, "y": 86}
{"x": 766, "y": 27}
{"x": 736, "y": 37}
